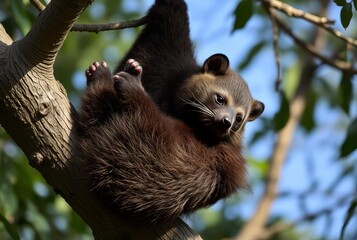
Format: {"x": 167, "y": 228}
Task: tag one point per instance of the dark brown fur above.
{"x": 182, "y": 88}
{"x": 146, "y": 165}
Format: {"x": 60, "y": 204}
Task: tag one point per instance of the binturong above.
{"x": 162, "y": 136}
{"x": 211, "y": 98}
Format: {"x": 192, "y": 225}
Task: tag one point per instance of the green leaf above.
{"x": 291, "y": 79}
{"x": 346, "y": 14}
{"x": 10, "y": 228}
{"x": 251, "y": 54}
{"x": 282, "y": 116}
{"x": 355, "y": 4}
{"x": 350, "y": 143}
{"x": 263, "y": 131}
{"x": 243, "y": 13}
{"x": 350, "y": 214}
{"x": 260, "y": 166}
{"x": 307, "y": 119}
{"x": 345, "y": 91}
{"x": 20, "y": 16}
{"x": 340, "y": 2}
{"x": 329, "y": 92}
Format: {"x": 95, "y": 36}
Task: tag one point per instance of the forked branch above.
{"x": 79, "y": 27}
{"x": 36, "y": 113}
{"x": 322, "y": 22}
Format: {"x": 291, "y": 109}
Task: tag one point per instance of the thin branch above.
{"x": 38, "y": 5}
{"x": 256, "y": 224}
{"x": 341, "y": 65}
{"x": 279, "y": 227}
{"x": 340, "y": 35}
{"x": 50, "y": 30}
{"x": 78, "y": 27}
{"x": 297, "y": 13}
{"x": 33, "y": 102}
{"x": 322, "y": 22}
{"x": 275, "y": 30}
{"x": 108, "y": 26}
{"x": 4, "y": 37}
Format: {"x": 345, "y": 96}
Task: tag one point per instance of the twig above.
{"x": 341, "y": 65}
{"x": 322, "y": 22}
{"x": 78, "y": 27}
{"x": 340, "y": 35}
{"x": 297, "y": 13}
{"x": 275, "y": 30}
{"x": 108, "y": 26}
{"x": 279, "y": 227}
{"x": 256, "y": 224}
{"x": 38, "y": 5}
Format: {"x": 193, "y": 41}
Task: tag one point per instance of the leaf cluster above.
{"x": 346, "y": 12}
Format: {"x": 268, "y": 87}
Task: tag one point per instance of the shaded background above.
{"x": 318, "y": 179}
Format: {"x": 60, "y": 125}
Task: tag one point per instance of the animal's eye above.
{"x": 219, "y": 99}
{"x": 239, "y": 119}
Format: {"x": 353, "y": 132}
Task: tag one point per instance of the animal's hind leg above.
{"x": 128, "y": 82}
{"x": 100, "y": 100}
{"x": 97, "y": 72}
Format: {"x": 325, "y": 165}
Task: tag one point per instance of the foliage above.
{"x": 31, "y": 210}
{"x": 346, "y": 11}
{"x": 28, "y": 207}
{"x": 350, "y": 214}
{"x": 342, "y": 96}
{"x": 243, "y": 12}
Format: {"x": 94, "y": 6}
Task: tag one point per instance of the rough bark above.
{"x": 36, "y": 113}
{"x": 255, "y": 227}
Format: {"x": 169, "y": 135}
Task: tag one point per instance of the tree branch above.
{"x": 322, "y": 22}
{"x": 108, "y": 26}
{"x": 341, "y": 65}
{"x": 78, "y": 27}
{"x": 340, "y": 35}
{"x": 319, "y": 21}
{"x": 56, "y": 26}
{"x": 4, "y": 37}
{"x": 275, "y": 31}
{"x": 297, "y": 13}
{"x": 279, "y": 227}
{"x": 255, "y": 227}
{"x": 36, "y": 113}
{"x": 38, "y": 5}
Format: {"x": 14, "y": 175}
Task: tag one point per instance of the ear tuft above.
{"x": 256, "y": 111}
{"x": 216, "y": 64}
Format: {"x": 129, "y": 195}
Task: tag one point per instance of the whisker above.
{"x": 200, "y": 108}
{"x": 205, "y": 106}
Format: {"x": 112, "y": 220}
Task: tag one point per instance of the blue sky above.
{"x": 211, "y": 25}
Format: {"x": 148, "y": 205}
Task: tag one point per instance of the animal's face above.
{"x": 222, "y": 111}
{"x": 219, "y": 102}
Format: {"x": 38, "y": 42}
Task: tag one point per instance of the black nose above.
{"x": 226, "y": 122}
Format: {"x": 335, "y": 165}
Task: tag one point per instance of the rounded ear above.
{"x": 216, "y": 64}
{"x": 256, "y": 110}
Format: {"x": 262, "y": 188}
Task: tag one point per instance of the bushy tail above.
{"x": 166, "y": 37}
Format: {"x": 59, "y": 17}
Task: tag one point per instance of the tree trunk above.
{"x": 36, "y": 113}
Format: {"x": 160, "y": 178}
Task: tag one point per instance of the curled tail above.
{"x": 166, "y": 35}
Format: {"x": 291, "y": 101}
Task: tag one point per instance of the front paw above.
{"x": 133, "y": 67}
{"x": 97, "y": 72}
{"x": 130, "y": 77}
